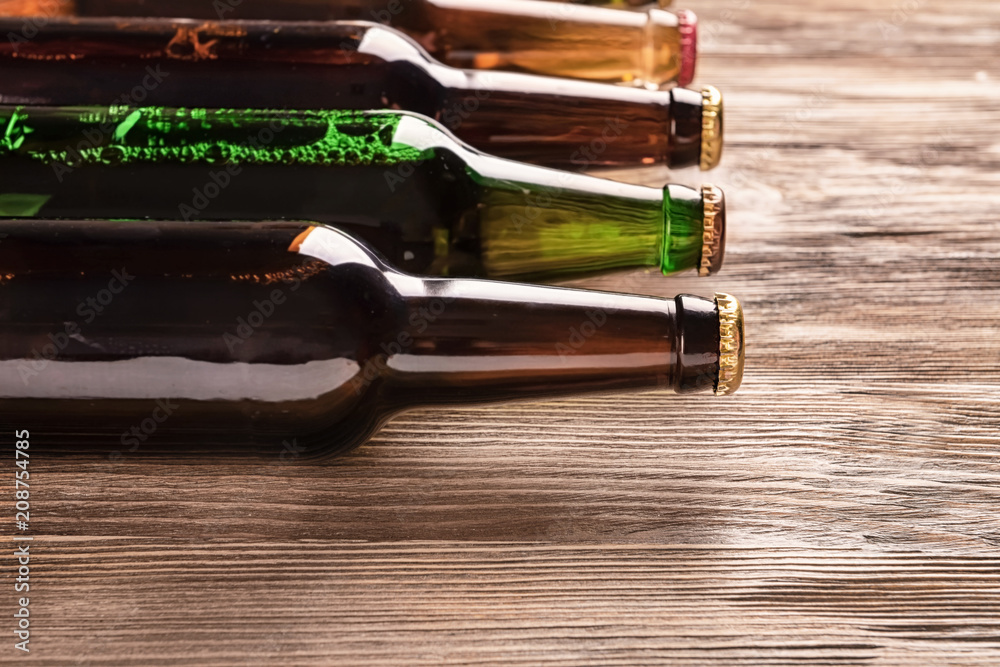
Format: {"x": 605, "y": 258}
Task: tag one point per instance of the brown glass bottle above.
{"x": 244, "y": 336}
{"x": 345, "y": 65}
{"x": 652, "y": 46}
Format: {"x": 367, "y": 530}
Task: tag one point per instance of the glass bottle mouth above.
{"x": 696, "y": 128}
{"x": 669, "y": 50}
{"x": 710, "y": 344}
{"x": 694, "y": 229}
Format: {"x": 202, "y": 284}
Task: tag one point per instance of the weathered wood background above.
{"x": 843, "y": 508}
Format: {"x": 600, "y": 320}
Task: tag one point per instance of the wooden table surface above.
{"x": 842, "y": 509}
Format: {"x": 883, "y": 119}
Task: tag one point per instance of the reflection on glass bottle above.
{"x": 254, "y": 334}
{"x": 429, "y": 203}
{"x": 349, "y": 65}
{"x": 650, "y": 46}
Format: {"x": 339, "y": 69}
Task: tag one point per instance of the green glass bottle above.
{"x": 429, "y": 203}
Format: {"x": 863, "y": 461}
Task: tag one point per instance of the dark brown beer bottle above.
{"x": 234, "y": 336}
{"x": 346, "y": 65}
{"x": 648, "y": 46}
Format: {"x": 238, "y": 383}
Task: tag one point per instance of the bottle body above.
{"x": 346, "y": 65}
{"x": 651, "y": 46}
{"x": 284, "y": 336}
{"x": 430, "y": 204}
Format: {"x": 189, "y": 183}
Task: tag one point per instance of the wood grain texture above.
{"x": 235, "y": 602}
{"x": 840, "y": 510}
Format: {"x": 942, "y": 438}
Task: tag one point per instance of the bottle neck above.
{"x": 541, "y": 223}
{"x": 557, "y": 39}
{"x": 684, "y": 234}
{"x": 534, "y": 223}
{"x": 470, "y": 341}
{"x": 576, "y": 125}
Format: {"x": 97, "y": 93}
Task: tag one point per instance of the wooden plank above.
{"x": 507, "y": 603}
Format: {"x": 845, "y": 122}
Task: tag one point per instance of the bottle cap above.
{"x": 687, "y": 26}
{"x": 731, "y": 345}
{"x": 713, "y": 235}
{"x": 711, "y": 127}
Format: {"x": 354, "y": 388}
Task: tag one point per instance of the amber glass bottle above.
{"x": 349, "y": 65}
{"x": 429, "y": 203}
{"x": 250, "y": 335}
{"x": 650, "y": 46}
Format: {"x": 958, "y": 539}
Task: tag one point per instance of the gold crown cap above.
{"x": 731, "y": 344}
{"x": 711, "y": 234}
{"x": 711, "y": 127}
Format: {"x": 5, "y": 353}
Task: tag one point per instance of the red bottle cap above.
{"x": 688, "y": 27}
